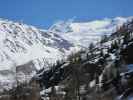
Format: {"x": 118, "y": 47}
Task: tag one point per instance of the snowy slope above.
{"x": 28, "y": 48}
{"x": 82, "y": 33}
{"x": 21, "y": 44}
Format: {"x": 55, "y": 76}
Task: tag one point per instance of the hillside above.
{"x": 28, "y": 53}
{"x": 22, "y": 44}
{"x": 101, "y": 72}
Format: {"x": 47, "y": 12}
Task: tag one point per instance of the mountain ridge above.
{"x": 85, "y": 32}
{"x": 21, "y": 44}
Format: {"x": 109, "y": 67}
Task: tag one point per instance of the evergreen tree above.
{"x": 126, "y": 38}
{"x": 116, "y": 46}
{"x": 101, "y": 53}
{"x": 91, "y": 46}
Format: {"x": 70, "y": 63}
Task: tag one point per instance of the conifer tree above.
{"x": 126, "y": 38}
{"x": 91, "y": 47}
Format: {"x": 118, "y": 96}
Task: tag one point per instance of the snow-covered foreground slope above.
{"x": 83, "y": 33}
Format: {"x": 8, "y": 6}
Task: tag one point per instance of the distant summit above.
{"x": 83, "y": 33}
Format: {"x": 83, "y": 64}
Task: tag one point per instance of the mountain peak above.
{"x": 83, "y": 33}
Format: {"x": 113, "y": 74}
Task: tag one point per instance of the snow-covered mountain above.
{"x": 104, "y": 70}
{"x": 27, "y": 48}
{"x": 21, "y": 44}
{"x": 83, "y": 33}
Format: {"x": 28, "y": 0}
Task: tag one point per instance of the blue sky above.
{"x": 43, "y": 13}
